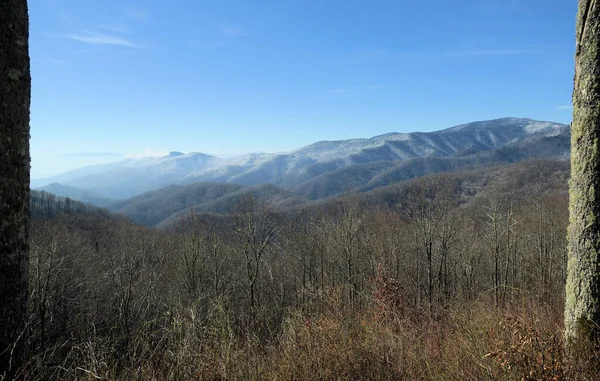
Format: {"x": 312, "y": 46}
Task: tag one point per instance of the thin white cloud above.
{"x": 233, "y": 30}
{"x": 147, "y": 153}
{"x": 90, "y": 155}
{"x": 565, "y": 107}
{"x": 99, "y": 39}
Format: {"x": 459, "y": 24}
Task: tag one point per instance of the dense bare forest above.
{"x": 449, "y": 276}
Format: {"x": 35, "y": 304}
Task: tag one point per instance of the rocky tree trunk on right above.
{"x": 582, "y": 308}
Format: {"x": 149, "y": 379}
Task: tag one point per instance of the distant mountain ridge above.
{"x": 329, "y": 168}
{"x": 78, "y": 194}
{"x": 156, "y": 207}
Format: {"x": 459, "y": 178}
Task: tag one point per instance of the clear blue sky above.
{"x": 115, "y": 78}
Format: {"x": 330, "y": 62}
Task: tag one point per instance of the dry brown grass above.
{"x": 382, "y": 341}
{"x": 522, "y": 341}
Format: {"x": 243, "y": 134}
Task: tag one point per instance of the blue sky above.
{"x": 125, "y": 78}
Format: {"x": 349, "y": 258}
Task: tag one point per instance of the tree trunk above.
{"x": 15, "y": 93}
{"x": 582, "y": 308}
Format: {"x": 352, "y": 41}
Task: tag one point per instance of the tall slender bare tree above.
{"x": 582, "y": 309}
{"x": 15, "y": 95}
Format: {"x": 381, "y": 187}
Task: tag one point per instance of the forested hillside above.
{"x": 437, "y": 277}
{"x": 168, "y": 204}
{"x": 165, "y": 206}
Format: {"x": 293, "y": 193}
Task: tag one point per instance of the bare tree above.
{"x": 15, "y": 95}
{"x": 346, "y": 242}
{"x": 255, "y": 229}
{"x": 497, "y": 232}
{"x": 430, "y": 207}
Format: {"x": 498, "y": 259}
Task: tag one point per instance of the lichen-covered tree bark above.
{"x": 15, "y": 94}
{"x": 582, "y": 309}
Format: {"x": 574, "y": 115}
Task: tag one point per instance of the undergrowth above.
{"x": 384, "y": 340}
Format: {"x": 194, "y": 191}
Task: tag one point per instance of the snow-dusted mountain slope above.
{"x": 291, "y": 169}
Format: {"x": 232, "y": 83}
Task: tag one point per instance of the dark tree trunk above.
{"x": 582, "y": 309}
{"x": 15, "y": 93}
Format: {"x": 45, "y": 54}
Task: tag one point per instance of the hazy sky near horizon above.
{"x": 127, "y": 78}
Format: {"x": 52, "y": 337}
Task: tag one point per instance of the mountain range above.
{"x": 326, "y": 168}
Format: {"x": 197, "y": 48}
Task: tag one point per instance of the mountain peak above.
{"x": 501, "y": 123}
{"x": 369, "y": 157}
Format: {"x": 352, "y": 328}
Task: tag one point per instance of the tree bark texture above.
{"x": 15, "y": 95}
{"x": 582, "y": 308}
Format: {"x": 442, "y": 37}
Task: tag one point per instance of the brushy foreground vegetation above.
{"x": 441, "y": 283}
